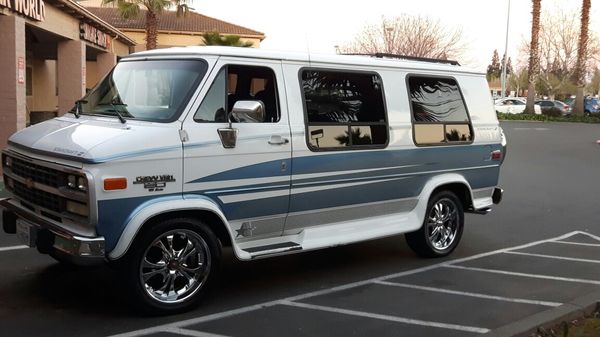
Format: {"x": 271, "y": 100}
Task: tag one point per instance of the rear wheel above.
{"x": 442, "y": 228}
{"x": 170, "y": 266}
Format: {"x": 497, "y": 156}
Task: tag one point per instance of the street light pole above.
{"x": 503, "y": 76}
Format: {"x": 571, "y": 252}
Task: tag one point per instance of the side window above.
{"x": 344, "y": 110}
{"x": 239, "y": 83}
{"x": 439, "y": 111}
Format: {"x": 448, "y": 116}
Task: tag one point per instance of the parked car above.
{"x": 179, "y": 152}
{"x": 547, "y": 105}
{"x": 592, "y": 105}
{"x": 514, "y": 106}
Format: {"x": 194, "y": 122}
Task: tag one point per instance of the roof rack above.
{"x": 406, "y": 57}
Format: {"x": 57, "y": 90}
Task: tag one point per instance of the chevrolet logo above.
{"x": 29, "y": 183}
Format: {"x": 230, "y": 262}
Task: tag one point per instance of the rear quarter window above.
{"x": 438, "y": 110}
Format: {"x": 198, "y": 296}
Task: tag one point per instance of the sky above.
{"x": 318, "y": 26}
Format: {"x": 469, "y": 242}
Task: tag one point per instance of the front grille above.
{"x": 39, "y": 174}
{"x": 37, "y": 197}
{"x": 41, "y": 189}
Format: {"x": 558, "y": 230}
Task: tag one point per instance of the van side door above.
{"x": 340, "y": 168}
{"x": 251, "y": 181}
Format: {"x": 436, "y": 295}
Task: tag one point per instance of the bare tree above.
{"x": 534, "y": 57}
{"x": 408, "y": 35}
{"x": 582, "y": 55}
{"x": 559, "y": 33}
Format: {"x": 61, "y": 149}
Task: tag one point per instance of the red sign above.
{"x": 21, "y": 70}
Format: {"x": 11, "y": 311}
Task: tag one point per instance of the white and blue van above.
{"x": 180, "y": 152}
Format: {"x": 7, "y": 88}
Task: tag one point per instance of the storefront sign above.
{"x": 21, "y": 70}
{"x": 33, "y": 9}
{"x": 93, "y": 35}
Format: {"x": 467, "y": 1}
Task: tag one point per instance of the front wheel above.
{"x": 170, "y": 266}
{"x": 442, "y": 227}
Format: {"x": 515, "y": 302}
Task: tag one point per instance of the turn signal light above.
{"x": 111, "y": 184}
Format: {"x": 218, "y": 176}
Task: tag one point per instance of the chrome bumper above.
{"x": 51, "y": 238}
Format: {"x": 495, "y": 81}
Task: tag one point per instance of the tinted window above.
{"x": 239, "y": 83}
{"x": 344, "y": 109}
{"x": 439, "y": 111}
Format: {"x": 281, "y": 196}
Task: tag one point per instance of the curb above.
{"x": 571, "y": 310}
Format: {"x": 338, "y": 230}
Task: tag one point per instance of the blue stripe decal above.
{"x": 261, "y": 170}
{"x": 113, "y": 215}
{"x": 398, "y": 174}
{"x": 133, "y": 154}
{"x": 97, "y": 160}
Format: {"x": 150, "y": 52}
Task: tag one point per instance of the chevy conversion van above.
{"x": 179, "y": 152}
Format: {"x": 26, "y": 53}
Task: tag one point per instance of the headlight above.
{"x": 77, "y": 208}
{"x": 72, "y": 181}
{"x": 77, "y": 183}
{"x": 8, "y": 161}
{"x": 82, "y": 184}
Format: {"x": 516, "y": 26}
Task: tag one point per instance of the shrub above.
{"x": 552, "y": 112}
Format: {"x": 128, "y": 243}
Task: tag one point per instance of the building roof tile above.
{"x": 168, "y": 21}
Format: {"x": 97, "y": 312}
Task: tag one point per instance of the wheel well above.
{"x": 211, "y": 219}
{"x": 462, "y": 192}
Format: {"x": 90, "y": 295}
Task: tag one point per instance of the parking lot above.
{"x": 463, "y": 297}
{"x": 537, "y": 251}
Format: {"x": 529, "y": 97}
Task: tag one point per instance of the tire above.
{"x": 445, "y": 217}
{"x": 171, "y": 265}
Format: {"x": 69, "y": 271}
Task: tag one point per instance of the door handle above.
{"x": 278, "y": 140}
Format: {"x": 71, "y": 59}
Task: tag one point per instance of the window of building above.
{"x": 439, "y": 112}
{"x": 239, "y": 83}
{"x": 344, "y": 110}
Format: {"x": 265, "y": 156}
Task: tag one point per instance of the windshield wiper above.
{"x": 114, "y": 105}
{"x": 78, "y": 103}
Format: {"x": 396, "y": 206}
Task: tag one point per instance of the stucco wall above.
{"x": 166, "y": 40}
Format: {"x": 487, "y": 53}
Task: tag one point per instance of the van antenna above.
{"x": 307, "y": 46}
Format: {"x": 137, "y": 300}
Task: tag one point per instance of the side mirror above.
{"x": 243, "y": 112}
{"x": 249, "y": 111}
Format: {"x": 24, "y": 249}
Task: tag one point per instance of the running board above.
{"x": 272, "y": 249}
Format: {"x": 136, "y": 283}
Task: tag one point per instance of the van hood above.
{"x": 93, "y": 139}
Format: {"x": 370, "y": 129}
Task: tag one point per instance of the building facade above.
{"x": 52, "y": 51}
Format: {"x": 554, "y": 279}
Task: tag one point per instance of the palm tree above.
{"x": 131, "y": 8}
{"x": 534, "y": 57}
{"x": 579, "y": 74}
{"x": 215, "y": 39}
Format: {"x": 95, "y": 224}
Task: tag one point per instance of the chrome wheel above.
{"x": 442, "y": 224}
{"x": 175, "y": 266}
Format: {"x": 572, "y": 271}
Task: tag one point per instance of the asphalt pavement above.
{"x": 551, "y": 181}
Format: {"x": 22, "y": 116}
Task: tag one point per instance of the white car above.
{"x": 514, "y": 106}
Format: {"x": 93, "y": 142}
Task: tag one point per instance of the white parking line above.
{"x": 388, "y": 317}
{"x": 188, "y": 332}
{"x": 224, "y": 314}
{"x": 470, "y": 294}
{"x": 546, "y": 277}
{"x": 6, "y": 249}
{"x": 578, "y": 243}
{"x": 554, "y": 257}
{"x": 590, "y": 235}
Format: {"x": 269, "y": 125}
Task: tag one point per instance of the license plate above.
{"x": 26, "y": 232}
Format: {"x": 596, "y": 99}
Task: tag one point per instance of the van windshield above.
{"x": 151, "y": 90}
